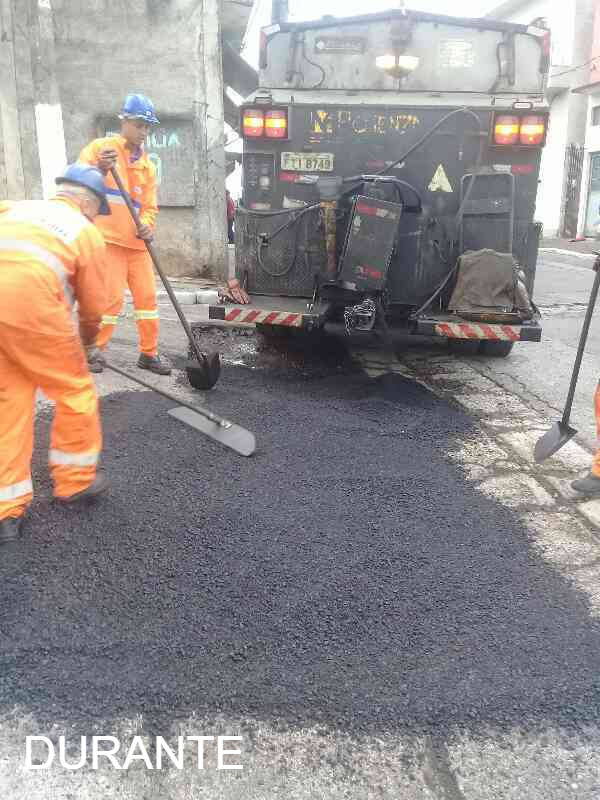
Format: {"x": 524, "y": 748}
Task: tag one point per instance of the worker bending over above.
{"x": 129, "y": 263}
{"x": 50, "y": 256}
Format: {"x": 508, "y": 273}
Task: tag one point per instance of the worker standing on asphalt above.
{"x": 51, "y": 255}
{"x": 590, "y": 485}
{"x": 129, "y": 263}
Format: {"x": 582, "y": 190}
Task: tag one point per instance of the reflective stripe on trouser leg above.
{"x": 140, "y": 277}
{"x": 76, "y": 439}
{"x": 596, "y": 464}
{"x": 147, "y": 323}
{"x": 17, "y": 403}
{"x": 58, "y": 366}
{"x": 116, "y": 281}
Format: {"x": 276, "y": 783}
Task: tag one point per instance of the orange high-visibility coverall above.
{"x": 50, "y": 255}
{"x": 128, "y": 261}
{"x": 596, "y": 464}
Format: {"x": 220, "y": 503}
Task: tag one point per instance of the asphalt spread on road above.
{"x": 347, "y": 574}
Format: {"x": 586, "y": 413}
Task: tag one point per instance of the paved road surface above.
{"x": 542, "y": 371}
{"x": 368, "y": 601}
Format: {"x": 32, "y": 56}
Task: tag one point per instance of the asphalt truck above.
{"x": 380, "y": 153}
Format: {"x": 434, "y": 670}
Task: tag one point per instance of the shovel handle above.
{"x": 582, "y": 342}
{"x": 166, "y": 283}
{"x": 223, "y": 423}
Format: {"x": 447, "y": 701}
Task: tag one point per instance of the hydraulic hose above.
{"x": 426, "y": 136}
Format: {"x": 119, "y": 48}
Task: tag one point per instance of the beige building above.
{"x": 66, "y": 66}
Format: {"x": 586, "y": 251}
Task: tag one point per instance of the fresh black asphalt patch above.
{"x": 347, "y": 574}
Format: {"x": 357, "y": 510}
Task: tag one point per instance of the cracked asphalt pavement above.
{"x": 371, "y": 623}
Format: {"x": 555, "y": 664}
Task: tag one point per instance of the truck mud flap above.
{"x": 281, "y": 312}
{"x": 463, "y": 329}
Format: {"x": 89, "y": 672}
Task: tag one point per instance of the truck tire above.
{"x": 496, "y": 349}
{"x": 464, "y": 347}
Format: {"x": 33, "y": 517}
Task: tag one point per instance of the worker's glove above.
{"x": 145, "y": 233}
{"x": 107, "y": 160}
{"x": 94, "y": 355}
{"x": 234, "y": 293}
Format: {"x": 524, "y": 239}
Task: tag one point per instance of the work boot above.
{"x": 99, "y": 486}
{"x": 153, "y": 364}
{"x": 589, "y": 485}
{"x": 10, "y": 528}
{"x": 96, "y": 366}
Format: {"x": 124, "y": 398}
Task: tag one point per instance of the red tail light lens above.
{"x": 253, "y": 124}
{"x": 276, "y": 124}
{"x": 533, "y": 130}
{"x": 506, "y": 130}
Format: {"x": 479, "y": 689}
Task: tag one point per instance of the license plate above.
{"x": 307, "y": 162}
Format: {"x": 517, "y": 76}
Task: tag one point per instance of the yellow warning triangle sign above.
{"x": 440, "y": 182}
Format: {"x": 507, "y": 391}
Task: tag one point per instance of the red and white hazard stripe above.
{"x": 478, "y": 330}
{"x": 257, "y": 317}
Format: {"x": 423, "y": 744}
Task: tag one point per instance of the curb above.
{"x": 569, "y": 253}
{"x": 201, "y": 297}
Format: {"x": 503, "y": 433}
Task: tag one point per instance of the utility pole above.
{"x": 18, "y": 150}
{"x": 32, "y": 143}
{"x": 48, "y": 110}
{"x": 210, "y": 215}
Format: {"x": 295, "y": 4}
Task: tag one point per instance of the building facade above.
{"x": 589, "y": 91}
{"x": 66, "y": 67}
{"x": 571, "y": 23}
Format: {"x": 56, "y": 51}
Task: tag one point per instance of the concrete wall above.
{"x": 167, "y": 49}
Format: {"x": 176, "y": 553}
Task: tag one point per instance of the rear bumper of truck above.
{"x": 449, "y": 326}
{"x": 282, "y": 312}
{"x": 297, "y": 313}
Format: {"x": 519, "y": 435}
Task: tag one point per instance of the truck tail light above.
{"x": 506, "y": 130}
{"x": 525, "y": 130}
{"x": 533, "y": 130}
{"x": 253, "y": 123}
{"x": 276, "y": 124}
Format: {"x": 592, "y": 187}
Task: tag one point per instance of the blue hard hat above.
{"x": 138, "y": 106}
{"x": 91, "y": 178}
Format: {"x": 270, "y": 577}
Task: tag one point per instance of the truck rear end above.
{"x": 377, "y": 151}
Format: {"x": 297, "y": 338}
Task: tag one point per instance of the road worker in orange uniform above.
{"x": 129, "y": 263}
{"x": 590, "y": 485}
{"x": 50, "y": 256}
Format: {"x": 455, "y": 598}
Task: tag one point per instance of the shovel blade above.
{"x": 548, "y": 444}
{"x": 204, "y": 375}
{"x": 229, "y": 435}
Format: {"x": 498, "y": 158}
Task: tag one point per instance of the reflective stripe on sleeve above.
{"x": 15, "y": 490}
{"x": 61, "y": 458}
{"x": 45, "y": 256}
{"x": 146, "y": 314}
{"x": 107, "y": 319}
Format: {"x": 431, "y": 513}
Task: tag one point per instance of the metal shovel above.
{"x": 561, "y": 432}
{"x": 221, "y": 430}
{"x": 203, "y": 373}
